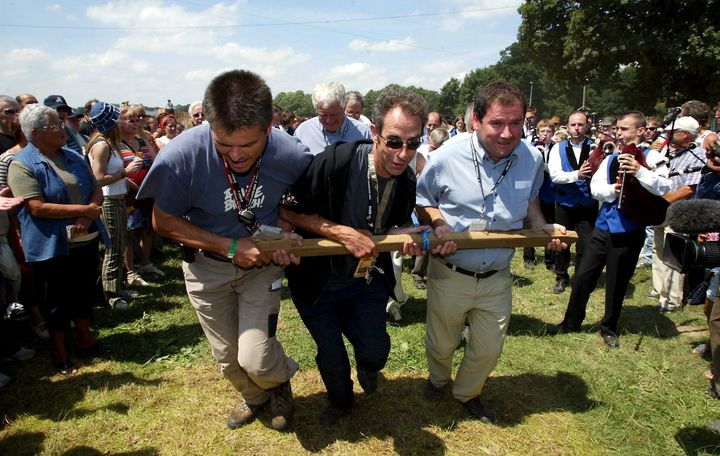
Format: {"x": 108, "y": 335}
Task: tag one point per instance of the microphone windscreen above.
{"x": 694, "y": 216}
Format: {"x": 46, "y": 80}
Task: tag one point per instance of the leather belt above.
{"x": 215, "y": 256}
{"x": 477, "y": 275}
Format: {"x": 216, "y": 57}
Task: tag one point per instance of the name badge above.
{"x": 364, "y": 266}
{"x": 478, "y": 225}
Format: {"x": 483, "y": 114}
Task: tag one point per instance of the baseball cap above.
{"x": 56, "y": 102}
{"x": 104, "y": 116}
{"x": 686, "y": 123}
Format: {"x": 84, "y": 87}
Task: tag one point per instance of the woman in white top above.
{"x": 168, "y": 125}
{"x": 110, "y": 172}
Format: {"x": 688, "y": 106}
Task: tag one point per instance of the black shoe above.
{"x": 562, "y": 328}
{"x": 331, "y": 414}
{"x": 419, "y": 282}
{"x": 368, "y": 380}
{"x": 611, "y": 340}
{"x": 281, "y": 406}
{"x": 432, "y": 392}
{"x": 244, "y": 413}
{"x": 560, "y": 286}
{"x": 478, "y": 411}
{"x": 529, "y": 264}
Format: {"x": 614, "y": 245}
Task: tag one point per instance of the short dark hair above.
{"x": 237, "y": 99}
{"x": 637, "y": 116}
{"x": 500, "y": 91}
{"x": 411, "y": 103}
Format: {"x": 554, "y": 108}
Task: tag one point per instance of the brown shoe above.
{"x": 244, "y": 413}
{"x": 281, "y": 406}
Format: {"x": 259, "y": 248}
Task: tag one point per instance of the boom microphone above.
{"x": 694, "y": 216}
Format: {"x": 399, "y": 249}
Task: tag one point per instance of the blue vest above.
{"x": 611, "y": 219}
{"x": 45, "y": 238}
{"x": 574, "y": 194}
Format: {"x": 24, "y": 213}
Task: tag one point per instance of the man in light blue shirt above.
{"x": 330, "y": 125}
{"x": 488, "y": 181}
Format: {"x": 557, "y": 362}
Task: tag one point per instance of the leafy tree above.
{"x": 449, "y": 103}
{"x": 298, "y": 102}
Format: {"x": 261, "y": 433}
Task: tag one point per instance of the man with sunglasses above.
{"x": 488, "y": 181}
{"x": 73, "y": 140}
{"x": 9, "y": 124}
{"x": 196, "y": 113}
{"x": 216, "y": 188}
{"x": 349, "y": 192}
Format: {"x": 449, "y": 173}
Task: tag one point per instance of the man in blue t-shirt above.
{"x": 214, "y": 186}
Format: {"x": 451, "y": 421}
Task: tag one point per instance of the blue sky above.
{"x": 150, "y": 50}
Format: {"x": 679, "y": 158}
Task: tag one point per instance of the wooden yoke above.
{"x": 393, "y": 242}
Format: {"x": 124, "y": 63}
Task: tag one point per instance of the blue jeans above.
{"x": 356, "y": 311}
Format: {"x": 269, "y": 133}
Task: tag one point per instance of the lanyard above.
{"x": 476, "y": 163}
{"x": 376, "y": 227}
{"x": 244, "y": 203}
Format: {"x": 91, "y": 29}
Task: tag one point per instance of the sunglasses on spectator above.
{"x": 132, "y": 120}
{"x": 651, "y": 128}
{"x": 395, "y": 143}
{"x": 198, "y": 114}
{"x": 57, "y": 126}
{"x": 10, "y": 111}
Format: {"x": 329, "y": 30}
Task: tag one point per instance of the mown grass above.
{"x": 163, "y": 394}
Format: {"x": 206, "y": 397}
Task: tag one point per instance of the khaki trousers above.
{"x": 666, "y": 282}
{"x": 238, "y": 313}
{"x": 486, "y": 304}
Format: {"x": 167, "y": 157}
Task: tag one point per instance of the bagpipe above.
{"x": 636, "y": 202}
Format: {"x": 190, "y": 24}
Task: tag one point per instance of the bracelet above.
{"x": 233, "y": 246}
{"x": 123, "y": 174}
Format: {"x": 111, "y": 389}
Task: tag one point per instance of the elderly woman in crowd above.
{"x": 168, "y": 125}
{"x": 59, "y": 221}
{"x": 111, "y": 172}
{"x": 133, "y": 145}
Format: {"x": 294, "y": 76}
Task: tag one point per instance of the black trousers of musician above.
{"x": 616, "y": 252}
{"x": 582, "y": 220}
{"x": 548, "y": 210}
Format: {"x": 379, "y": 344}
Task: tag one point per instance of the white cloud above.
{"x": 383, "y": 46}
{"x": 201, "y": 75}
{"x": 280, "y": 56}
{"x": 157, "y": 13}
{"x": 54, "y": 8}
{"x": 476, "y": 10}
{"x": 351, "y": 69}
{"x": 24, "y": 56}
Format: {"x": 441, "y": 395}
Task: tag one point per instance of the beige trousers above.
{"x": 486, "y": 304}
{"x": 238, "y": 311}
{"x": 666, "y": 282}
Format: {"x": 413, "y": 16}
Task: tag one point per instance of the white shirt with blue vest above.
{"x": 602, "y": 186}
{"x": 570, "y": 188}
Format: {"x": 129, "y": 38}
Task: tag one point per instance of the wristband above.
{"x": 426, "y": 240}
{"x": 233, "y": 246}
{"x": 123, "y": 174}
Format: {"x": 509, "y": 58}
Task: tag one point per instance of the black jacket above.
{"x": 321, "y": 190}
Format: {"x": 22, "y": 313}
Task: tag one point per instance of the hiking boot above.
{"x": 368, "y": 380}
{"x": 331, "y": 414}
{"x": 243, "y": 414}
{"x": 281, "y": 406}
{"x": 151, "y": 269}
{"x": 560, "y": 286}
{"x": 118, "y": 304}
{"x": 134, "y": 280}
{"x": 432, "y": 392}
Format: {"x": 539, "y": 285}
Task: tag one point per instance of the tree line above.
{"x": 635, "y": 54}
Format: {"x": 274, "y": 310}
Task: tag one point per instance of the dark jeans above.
{"x": 582, "y": 220}
{"x": 66, "y": 286}
{"x": 356, "y": 311}
{"x": 619, "y": 253}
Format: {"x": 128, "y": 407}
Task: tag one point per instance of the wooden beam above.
{"x": 392, "y": 242}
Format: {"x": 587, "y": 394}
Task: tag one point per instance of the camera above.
{"x": 690, "y": 218}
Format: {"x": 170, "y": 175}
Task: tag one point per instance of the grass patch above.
{"x": 163, "y": 394}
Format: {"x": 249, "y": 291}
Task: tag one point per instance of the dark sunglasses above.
{"x": 651, "y": 128}
{"x": 10, "y": 111}
{"x": 411, "y": 144}
{"x": 197, "y": 114}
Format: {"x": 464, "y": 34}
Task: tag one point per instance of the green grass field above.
{"x": 163, "y": 394}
